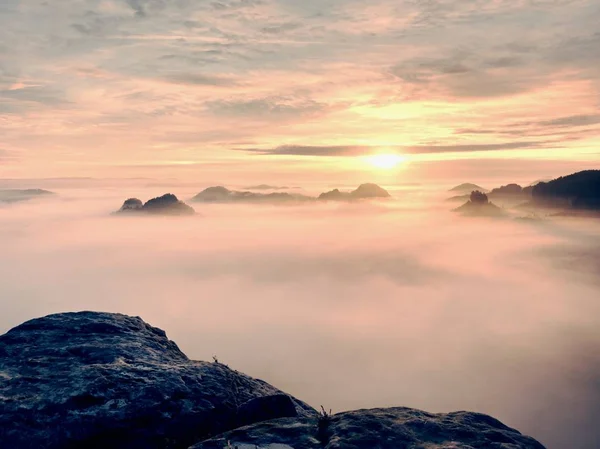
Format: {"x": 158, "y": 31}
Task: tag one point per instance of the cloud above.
{"x": 281, "y": 28}
{"x": 200, "y": 80}
{"x": 572, "y": 121}
{"x": 358, "y": 150}
{"x": 23, "y": 97}
{"x": 276, "y": 107}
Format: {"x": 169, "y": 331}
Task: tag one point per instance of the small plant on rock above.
{"x": 323, "y": 423}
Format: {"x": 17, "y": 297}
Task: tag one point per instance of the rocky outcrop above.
{"x": 167, "y": 204}
{"x": 132, "y": 205}
{"x": 479, "y": 206}
{"x": 98, "y": 380}
{"x": 390, "y": 428}
{"x": 364, "y": 191}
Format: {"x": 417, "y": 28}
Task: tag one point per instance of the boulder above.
{"x": 95, "y": 380}
{"x": 390, "y": 428}
{"x": 100, "y": 380}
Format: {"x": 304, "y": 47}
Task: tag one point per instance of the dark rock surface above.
{"x": 220, "y": 194}
{"x": 391, "y": 428}
{"x": 99, "y": 380}
{"x": 364, "y": 191}
{"x": 167, "y": 204}
{"x": 18, "y": 195}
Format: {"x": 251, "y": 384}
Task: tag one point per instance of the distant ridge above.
{"x": 467, "y": 187}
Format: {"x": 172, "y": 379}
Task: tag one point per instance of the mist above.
{"x": 343, "y": 305}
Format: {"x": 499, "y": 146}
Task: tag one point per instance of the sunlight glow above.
{"x": 386, "y": 161}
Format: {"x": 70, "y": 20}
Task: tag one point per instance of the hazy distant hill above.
{"x": 511, "y": 193}
{"x": 17, "y": 195}
{"x": 266, "y": 187}
{"x": 220, "y": 194}
{"x": 364, "y": 191}
{"x": 467, "y": 188}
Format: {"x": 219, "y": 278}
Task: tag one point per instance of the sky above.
{"x": 240, "y": 87}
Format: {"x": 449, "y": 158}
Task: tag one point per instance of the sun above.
{"x": 386, "y": 161}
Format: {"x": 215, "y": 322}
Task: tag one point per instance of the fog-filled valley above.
{"x": 348, "y": 305}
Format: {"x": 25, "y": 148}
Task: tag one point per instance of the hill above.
{"x": 167, "y": 204}
{"x": 220, "y": 194}
{"x": 18, "y": 195}
{"x": 479, "y": 206}
{"x": 467, "y": 187}
{"x": 578, "y": 191}
{"x": 363, "y": 192}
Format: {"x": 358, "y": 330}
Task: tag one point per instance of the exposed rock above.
{"x": 220, "y": 194}
{"x": 466, "y": 188}
{"x": 107, "y": 381}
{"x": 392, "y": 428}
{"x": 18, "y": 195}
{"x": 164, "y": 205}
{"x": 364, "y": 191}
{"x": 99, "y": 380}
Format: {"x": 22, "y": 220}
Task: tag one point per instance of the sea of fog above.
{"x": 343, "y": 305}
